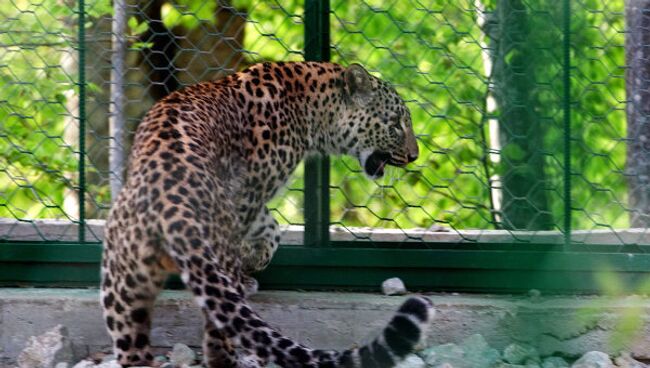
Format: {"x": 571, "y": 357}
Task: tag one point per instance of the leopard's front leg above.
{"x": 260, "y": 243}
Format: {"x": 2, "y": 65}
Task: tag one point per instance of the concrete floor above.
{"x": 568, "y": 325}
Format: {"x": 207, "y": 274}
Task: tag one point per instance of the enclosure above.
{"x": 531, "y": 117}
{"x": 531, "y": 123}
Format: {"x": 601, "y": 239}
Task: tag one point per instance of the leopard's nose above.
{"x": 412, "y": 157}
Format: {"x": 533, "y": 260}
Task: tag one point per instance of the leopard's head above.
{"x": 376, "y": 125}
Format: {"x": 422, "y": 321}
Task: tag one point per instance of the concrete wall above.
{"x": 565, "y": 325}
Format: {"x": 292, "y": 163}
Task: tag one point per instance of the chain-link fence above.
{"x": 531, "y": 114}
{"x": 487, "y": 86}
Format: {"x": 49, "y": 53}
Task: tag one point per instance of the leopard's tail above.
{"x": 225, "y": 305}
{"x": 404, "y": 332}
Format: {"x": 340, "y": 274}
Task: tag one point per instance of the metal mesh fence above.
{"x": 520, "y": 107}
{"x": 525, "y": 127}
{"x": 160, "y": 46}
{"x": 38, "y": 160}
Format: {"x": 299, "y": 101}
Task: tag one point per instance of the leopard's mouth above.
{"x": 376, "y": 162}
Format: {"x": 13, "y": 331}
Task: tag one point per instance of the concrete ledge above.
{"x": 560, "y": 325}
{"x": 67, "y": 231}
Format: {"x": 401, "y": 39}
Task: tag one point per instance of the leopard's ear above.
{"x": 358, "y": 84}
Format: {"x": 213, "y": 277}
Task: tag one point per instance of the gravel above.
{"x": 594, "y": 359}
{"x": 520, "y": 354}
{"x": 182, "y": 355}
{"x": 53, "y": 350}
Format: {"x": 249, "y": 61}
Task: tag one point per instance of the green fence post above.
{"x": 566, "y": 22}
{"x": 82, "y": 119}
{"x": 317, "y": 175}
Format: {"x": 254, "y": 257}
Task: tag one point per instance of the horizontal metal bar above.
{"x": 49, "y": 274}
{"x": 50, "y": 252}
{"x": 297, "y": 267}
{"x": 461, "y": 259}
{"x": 467, "y": 259}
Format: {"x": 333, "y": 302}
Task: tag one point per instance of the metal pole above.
{"x": 567, "y": 121}
{"x": 317, "y": 174}
{"x": 117, "y": 119}
{"x": 82, "y": 119}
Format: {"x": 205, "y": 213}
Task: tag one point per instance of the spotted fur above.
{"x": 205, "y": 160}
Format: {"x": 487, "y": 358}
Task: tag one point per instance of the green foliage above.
{"x": 628, "y": 319}
{"x": 136, "y": 27}
{"x": 598, "y": 117}
{"x": 433, "y": 52}
{"x": 37, "y": 162}
{"x": 187, "y": 13}
{"x": 33, "y": 154}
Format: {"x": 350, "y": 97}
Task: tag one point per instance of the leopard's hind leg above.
{"x": 132, "y": 277}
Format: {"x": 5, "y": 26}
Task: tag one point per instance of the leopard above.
{"x": 204, "y": 162}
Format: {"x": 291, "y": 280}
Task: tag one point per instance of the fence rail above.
{"x": 531, "y": 118}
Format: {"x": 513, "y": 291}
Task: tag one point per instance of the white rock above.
{"x": 47, "y": 350}
{"x": 625, "y": 360}
{"x": 554, "y": 362}
{"x": 594, "y": 359}
{"x": 475, "y": 341}
{"x": 182, "y": 354}
{"x": 445, "y": 365}
{"x": 84, "y": 364}
{"x": 411, "y": 361}
{"x": 61, "y": 365}
{"x": 478, "y": 353}
{"x": 393, "y": 286}
{"x": 520, "y": 354}
{"x": 439, "y": 355}
{"x": 108, "y": 358}
{"x": 535, "y": 295}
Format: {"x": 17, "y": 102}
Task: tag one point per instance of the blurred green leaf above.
{"x": 513, "y": 152}
{"x": 135, "y": 27}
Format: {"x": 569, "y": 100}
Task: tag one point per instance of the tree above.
{"x": 524, "y": 204}
{"x": 637, "y": 78}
